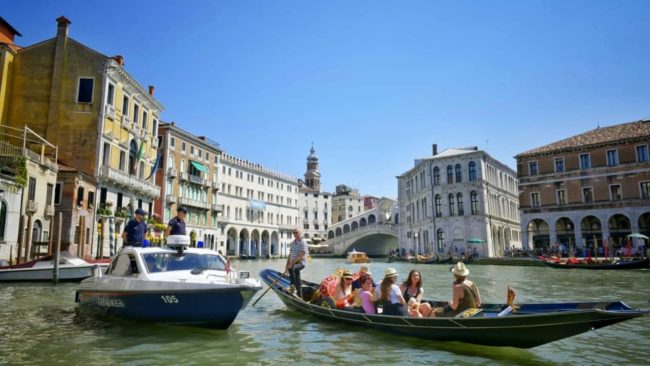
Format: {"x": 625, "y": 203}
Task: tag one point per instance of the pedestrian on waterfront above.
{"x": 298, "y": 252}
{"x": 135, "y": 229}
{"x": 465, "y": 294}
{"x": 390, "y": 297}
{"x": 176, "y": 225}
{"x": 412, "y": 289}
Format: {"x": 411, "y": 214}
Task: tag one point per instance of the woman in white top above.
{"x": 343, "y": 293}
{"x": 390, "y": 296}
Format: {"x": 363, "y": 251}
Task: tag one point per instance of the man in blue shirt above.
{"x": 135, "y": 229}
{"x": 176, "y": 225}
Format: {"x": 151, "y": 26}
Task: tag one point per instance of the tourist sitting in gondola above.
{"x": 343, "y": 296}
{"x": 465, "y": 294}
{"x": 365, "y": 294}
{"x": 412, "y": 289}
{"x": 390, "y": 297}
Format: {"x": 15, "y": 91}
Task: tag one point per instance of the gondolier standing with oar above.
{"x": 296, "y": 262}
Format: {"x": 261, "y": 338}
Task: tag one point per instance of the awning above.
{"x": 475, "y": 241}
{"x": 199, "y": 166}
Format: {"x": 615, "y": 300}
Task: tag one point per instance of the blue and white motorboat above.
{"x": 176, "y": 284}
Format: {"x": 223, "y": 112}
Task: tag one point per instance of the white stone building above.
{"x": 260, "y": 209}
{"x": 459, "y": 201}
{"x": 314, "y": 205}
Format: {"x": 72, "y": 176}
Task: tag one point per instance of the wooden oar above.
{"x": 276, "y": 281}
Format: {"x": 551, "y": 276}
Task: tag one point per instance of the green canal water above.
{"x": 39, "y": 325}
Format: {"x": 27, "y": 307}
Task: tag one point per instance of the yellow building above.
{"x": 103, "y": 121}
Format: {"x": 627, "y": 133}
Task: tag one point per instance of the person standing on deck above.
{"x": 176, "y": 225}
{"x": 135, "y": 229}
{"x": 296, "y": 262}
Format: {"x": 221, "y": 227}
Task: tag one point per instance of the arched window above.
{"x": 438, "y": 200}
{"x": 459, "y": 200}
{"x": 474, "y": 202}
{"x": 472, "y": 171}
{"x": 459, "y": 175}
{"x": 436, "y": 176}
{"x": 452, "y": 205}
{"x": 3, "y": 219}
{"x": 450, "y": 174}
{"x": 440, "y": 240}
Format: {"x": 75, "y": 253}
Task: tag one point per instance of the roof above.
{"x": 597, "y": 136}
{"x": 12, "y": 29}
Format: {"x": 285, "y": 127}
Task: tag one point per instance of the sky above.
{"x": 372, "y": 84}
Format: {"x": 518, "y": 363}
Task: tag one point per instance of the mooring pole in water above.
{"x": 57, "y": 252}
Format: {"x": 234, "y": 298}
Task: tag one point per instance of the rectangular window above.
{"x": 110, "y": 94}
{"x": 136, "y": 113}
{"x": 534, "y": 199}
{"x": 125, "y": 106}
{"x": 533, "y": 168}
{"x": 122, "y": 161}
{"x": 172, "y": 142}
{"x": 559, "y": 165}
{"x": 85, "y": 90}
{"x": 48, "y": 196}
{"x": 106, "y": 154}
{"x": 31, "y": 193}
{"x": 191, "y": 149}
{"x": 91, "y": 199}
{"x": 57, "y": 193}
{"x": 615, "y": 192}
{"x": 120, "y": 197}
{"x": 585, "y": 161}
{"x": 80, "y": 196}
{"x": 612, "y": 157}
{"x": 642, "y": 153}
{"x": 645, "y": 190}
{"x": 183, "y": 146}
{"x": 145, "y": 116}
{"x": 561, "y": 196}
{"x": 587, "y": 195}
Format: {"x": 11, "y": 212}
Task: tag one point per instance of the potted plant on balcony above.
{"x": 120, "y": 215}
{"x": 104, "y": 212}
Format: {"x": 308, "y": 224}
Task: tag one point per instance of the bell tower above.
{"x": 312, "y": 176}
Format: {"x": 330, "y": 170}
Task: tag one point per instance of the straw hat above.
{"x": 347, "y": 274}
{"x": 365, "y": 270}
{"x": 460, "y": 270}
{"x": 390, "y": 272}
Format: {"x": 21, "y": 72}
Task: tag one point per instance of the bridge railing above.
{"x": 363, "y": 229}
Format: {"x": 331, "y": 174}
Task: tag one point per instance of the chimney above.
{"x": 434, "y": 149}
{"x": 62, "y": 26}
{"x": 119, "y": 59}
{"x": 151, "y": 90}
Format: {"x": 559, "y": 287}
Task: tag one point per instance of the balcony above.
{"x": 126, "y": 122}
{"x": 206, "y": 182}
{"x": 49, "y": 210}
{"x": 32, "y": 207}
{"x": 184, "y": 176}
{"x": 196, "y": 179}
{"x": 193, "y": 203}
{"x": 171, "y": 198}
{"x": 215, "y": 186}
{"x": 172, "y": 173}
{"x": 217, "y": 207}
{"x": 129, "y": 182}
{"x": 110, "y": 111}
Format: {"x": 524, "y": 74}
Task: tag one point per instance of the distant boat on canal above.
{"x": 612, "y": 263}
{"x": 358, "y": 257}
{"x": 176, "y": 284}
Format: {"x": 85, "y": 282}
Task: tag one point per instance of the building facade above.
{"x": 189, "y": 178}
{"x": 588, "y": 189}
{"x": 261, "y": 209}
{"x": 103, "y": 120}
{"x": 458, "y": 201}
{"x": 346, "y": 203}
{"x": 314, "y": 204}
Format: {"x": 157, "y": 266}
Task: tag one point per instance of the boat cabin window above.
{"x": 124, "y": 265}
{"x": 165, "y": 262}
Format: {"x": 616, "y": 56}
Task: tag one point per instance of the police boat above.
{"x": 174, "y": 284}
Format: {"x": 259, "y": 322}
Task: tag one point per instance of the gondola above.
{"x": 608, "y": 264}
{"x": 528, "y": 326}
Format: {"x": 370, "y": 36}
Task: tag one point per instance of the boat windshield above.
{"x": 165, "y": 262}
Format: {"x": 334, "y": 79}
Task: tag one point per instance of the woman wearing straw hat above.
{"x": 465, "y": 293}
{"x": 390, "y": 296}
{"x": 343, "y": 293}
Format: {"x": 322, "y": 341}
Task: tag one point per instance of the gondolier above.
{"x": 135, "y": 230}
{"x": 176, "y": 225}
{"x": 296, "y": 262}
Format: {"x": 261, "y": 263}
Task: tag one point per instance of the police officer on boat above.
{"x": 135, "y": 229}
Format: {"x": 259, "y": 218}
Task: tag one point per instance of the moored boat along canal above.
{"x": 39, "y": 324}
